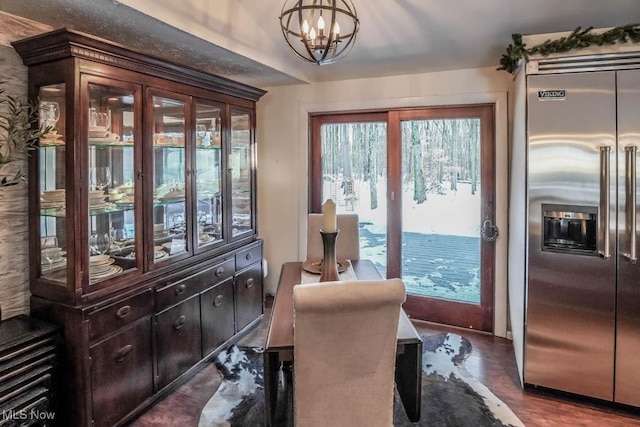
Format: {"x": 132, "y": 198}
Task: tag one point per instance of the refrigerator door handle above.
{"x": 630, "y": 202}
{"x": 605, "y": 198}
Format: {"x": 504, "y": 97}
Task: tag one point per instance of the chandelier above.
{"x": 319, "y": 31}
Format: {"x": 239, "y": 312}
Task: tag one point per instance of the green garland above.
{"x": 579, "y": 39}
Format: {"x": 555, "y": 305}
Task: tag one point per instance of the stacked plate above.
{"x": 173, "y": 195}
{"x": 98, "y": 132}
{"x": 52, "y": 198}
{"x": 51, "y": 139}
{"x": 52, "y": 258}
{"x": 159, "y": 231}
{"x": 96, "y": 199}
{"x": 101, "y": 267}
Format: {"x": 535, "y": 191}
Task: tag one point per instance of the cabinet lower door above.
{"x": 248, "y": 295}
{"x": 121, "y": 373}
{"x": 177, "y": 340}
{"x": 216, "y": 305}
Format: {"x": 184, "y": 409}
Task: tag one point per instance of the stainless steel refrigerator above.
{"x": 582, "y": 326}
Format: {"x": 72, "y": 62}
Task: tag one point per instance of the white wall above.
{"x": 283, "y": 150}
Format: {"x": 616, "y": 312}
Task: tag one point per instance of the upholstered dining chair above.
{"x": 345, "y": 336}
{"x": 348, "y": 243}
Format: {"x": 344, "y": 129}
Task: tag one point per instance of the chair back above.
{"x": 348, "y": 243}
{"x": 345, "y": 338}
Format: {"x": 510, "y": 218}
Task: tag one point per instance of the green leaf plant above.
{"x": 19, "y": 135}
{"x": 578, "y": 39}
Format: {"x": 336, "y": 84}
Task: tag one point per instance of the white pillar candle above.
{"x": 329, "y": 221}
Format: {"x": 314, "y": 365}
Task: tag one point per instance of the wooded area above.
{"x": 436, "y": 155}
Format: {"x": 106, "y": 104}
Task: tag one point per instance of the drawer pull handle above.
{"x": 250, "y": 283}
{"x": 217, "y": 301}
{"x": 123, "y": 312}
{"x": 219, "y": 271}
{"x": 123, "y": 352}
{"x": 179, "y": 323}
{"x": 180, "y": 289}
{"x": 249, "y": 256}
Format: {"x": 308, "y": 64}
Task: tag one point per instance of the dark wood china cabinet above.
{"x": 143, "y": 236}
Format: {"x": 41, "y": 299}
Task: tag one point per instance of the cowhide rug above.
{"x": 450, "y": 395}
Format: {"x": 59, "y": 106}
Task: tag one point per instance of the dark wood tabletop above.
{"x": 280, "y": 336}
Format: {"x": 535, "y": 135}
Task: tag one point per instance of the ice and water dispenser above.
{"x": 569, "y": 228}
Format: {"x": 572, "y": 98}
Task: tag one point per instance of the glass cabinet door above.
{"x": 52, "y": 178}
{"x": 169, "y": 178}
{"x": 111, "y": 182}
{"x": 208, "y": 174}
{"x": 241, "y": 169}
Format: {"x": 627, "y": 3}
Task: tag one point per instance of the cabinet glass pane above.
{"x": 52, "y": 177}
{"x": 111, "y": 182}
{"x": 240, "y": 165}
{"x": 208, "y": 174}
{"x": 169, "y": 172}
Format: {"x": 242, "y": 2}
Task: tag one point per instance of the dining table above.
{"x": 278, "y": 352}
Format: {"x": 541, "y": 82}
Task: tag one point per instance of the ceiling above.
{"x": 242, "y": 40}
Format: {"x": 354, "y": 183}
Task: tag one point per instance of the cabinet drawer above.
{"x": 248, "y": 256}
{"x": 248, "y": 296}
{"x": 216, "y": 309}
{"x": 177, "y": 332}
{"x": 173, "y": 293}
{"x": 115, "y": 316}
{"x": 213, "y": 275}
{"x": 121, "y": 373}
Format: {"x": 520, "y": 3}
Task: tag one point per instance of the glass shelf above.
{"x": 110, "y": 143}
{"x": 60, "y": 212}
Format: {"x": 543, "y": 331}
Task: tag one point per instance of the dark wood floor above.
{"x": 492, "y": 362}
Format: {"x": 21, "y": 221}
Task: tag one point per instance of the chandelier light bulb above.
{"x": 305, "y": 28}
{"x": 312, "y": 36}
{"x": 336, "y": 30}
{"x": 321, "y": 26}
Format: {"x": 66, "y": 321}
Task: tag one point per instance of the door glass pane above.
{"x": 241, "y": 167}
{"x": 169, "y": 175}
{"x": 53, "y": 224}
{"x": 111, "y": 184}
{"x": 441, "y": 208}
{"x": 354, "y": 171}
{"x": 208, "y": 173}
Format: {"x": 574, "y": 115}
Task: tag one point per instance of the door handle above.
{"x": 630, "y": 200}
{"x": 489, "y": 231}
{"x": 605, "y": 199}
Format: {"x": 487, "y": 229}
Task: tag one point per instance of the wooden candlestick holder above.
{"x": 329, "y": 268}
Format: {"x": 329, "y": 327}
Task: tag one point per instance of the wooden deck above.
{"x": 435, "y": 264}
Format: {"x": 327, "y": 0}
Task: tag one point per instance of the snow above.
{"x": 454, "y": 213}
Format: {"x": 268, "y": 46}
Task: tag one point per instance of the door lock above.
{"x": 489, "y": 231}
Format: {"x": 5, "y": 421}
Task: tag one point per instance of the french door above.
{"x": 422, "y": 182}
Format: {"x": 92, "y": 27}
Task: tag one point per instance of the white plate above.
{"x": 98, "y": 259}
{"x": 45, "y": 266}
{"x": 102, "y": 263}
{"x": 98, "y": 269}
{"x": 112, "y": 271}
{"x": 206, "y": 238}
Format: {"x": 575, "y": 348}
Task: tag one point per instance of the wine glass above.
{"x": 99, "y": 119}
{"x": 99, "y": 177}
{"x": 103, "y": 243}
